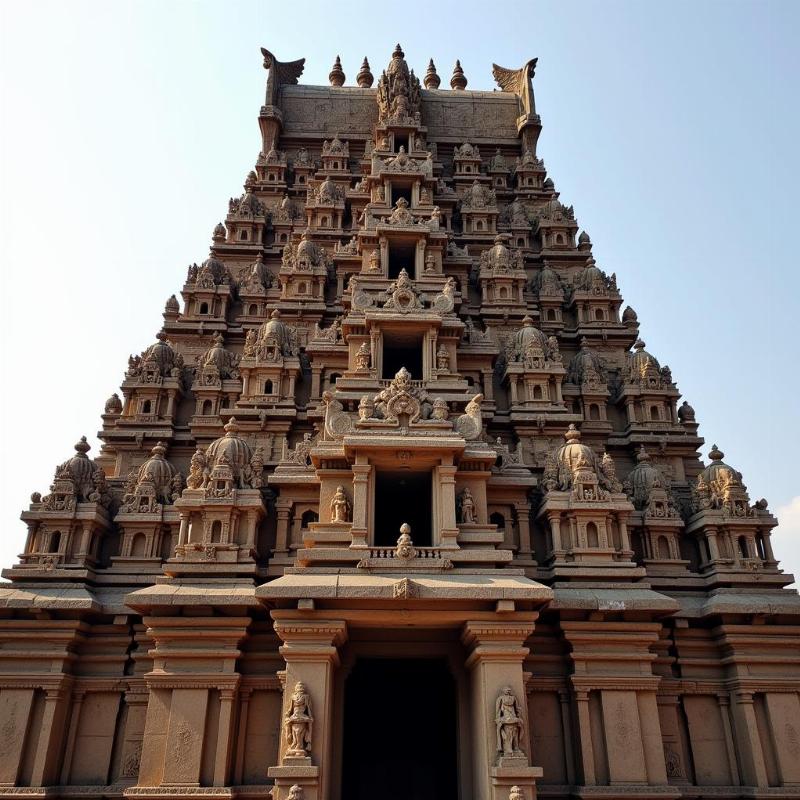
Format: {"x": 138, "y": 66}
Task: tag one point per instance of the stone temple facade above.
{"x": 398, "y": 504}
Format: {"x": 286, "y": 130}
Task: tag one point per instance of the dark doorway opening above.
{"x": 403, "y": 497}
{"x": 400, "y": 731}
{"x": 400, "y": 140}
{"x": 402, "y": 351}
{"x": 405, "y": 193}
{"x": 401, "y": 257}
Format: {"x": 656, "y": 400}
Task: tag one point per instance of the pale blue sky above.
{"x": 672, "y": 128}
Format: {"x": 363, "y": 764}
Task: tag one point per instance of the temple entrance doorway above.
{"x": 400, "y": 731}
{"x": 403, "y": 497}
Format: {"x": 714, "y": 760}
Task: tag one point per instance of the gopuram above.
{"x": 397, "y": 504}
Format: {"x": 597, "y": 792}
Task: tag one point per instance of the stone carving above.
{"x": 458, "y": 81}
{"x": 478, "y": 196}
{"x": 520, "y": 82}
{"x": 510, "y": 724}
{"x": 155, "y": 483}
{"x": 301, "y": 453}
{"x": 280, "y": 73}
{"x": 432, "y": 79}
{"x": 405, "y": 547}
{"x": 686, "y": 412}
{"x": 445, "y": 302}
{"x": 78, "y": 480}
{"x": 363, "y": 357}
{"x": 400, "y": 215}
{"x": 649, "y": 490}
{"x": 296, "y": 792}
{"x": 576, "y": 467}
{"x": 298, "y": 723}
{"x": 719, "y": 486}
{"x": 467, "y": 507}
{"x": 337, "y": 421}
{"x": 246, "y": 207}
{"x": 113, "y": 404}
{"x": 642, "y": 369}
{"x": 274, "y": 341}
{"x": 475, "y": 336}
{"x": 587, "y": 368}
{"x": 157, "y": 362}
{"x": 405, "y": 589}
{"x": 531, "y": 347}
{"x": 400, "y": 399}
{"x": 442, "y": 359}
{"x": 547, "y": 284}
{"x": 440, "y": 411}
{"x": 398, "y": 90}
{"x": 359, "y": 298}
{"x": 500, "y": 259}
{"x": 403, "y": 297}
{"x": 340, "y": 506}
{"x": 470, "y": 423}
{"x": 331, "y": 334}
{"x": 217, "y": 363}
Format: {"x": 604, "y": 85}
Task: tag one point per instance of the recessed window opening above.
{"x": 401, "y": 191}
{"x": 401, "y": 256}
{"x": 403, "y": 496}
{"x": 402, "y": 350}
{"x": 400, "y": 140}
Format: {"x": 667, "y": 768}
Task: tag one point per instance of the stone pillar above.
{"x": 361, "y": 523}
{"x": 310, "y": 649}
{"x": 448, "y": 528}
{"x": 282, "y": 509}
{"x": 51, "y": 735}
{"x": 495, "y": 662}
{"x": 754, "y": 771}
{"x": 585, "y": 737}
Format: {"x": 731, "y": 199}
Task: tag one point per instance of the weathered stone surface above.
{"x": 397, "y": 422}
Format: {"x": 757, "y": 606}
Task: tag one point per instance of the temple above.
{"x": 397, "y": 504}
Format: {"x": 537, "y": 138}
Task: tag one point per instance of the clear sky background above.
{"x": 672, "y": 127}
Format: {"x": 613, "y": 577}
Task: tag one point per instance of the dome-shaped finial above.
{"x": 629, "y": 316}
{"x": 459, "y": 80}
{"x": 642, "y": 455}
{"x": 83, "y": 446}
{"x": 572, "y": 434}
{"x": 171, "y": 306}
{"x": 584, "y": 241}
{"x": 432, "y": 79}
{"x": 113, "y": 404}
{"x": 365, "y": 78}
{"x": 336, "y": 76}
{"x": 231, "y": 427}
{"x": 639, "y": 345}
{"x": 716, "y": 454}
{"x": 219, "y": 233}
{"x": 398, "y": 52}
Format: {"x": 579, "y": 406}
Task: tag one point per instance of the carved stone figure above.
{"x": 442, "y": 359}
{"x": 518, "y": 81}
{"x": 280, "y": 73}
{"x": 298, "y": 723}
{"x": 363, "y": 357}
{"x": 467, "y": 507}
{"x": 405, "y": 547}
{"x": 510, "y": 724}
{"x": 340, "y": 506}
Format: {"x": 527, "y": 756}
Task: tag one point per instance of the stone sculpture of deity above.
{"x": 467, "y": 507}
{"x": 340, "y": 506}
{"x": 510, "y": 724}
{"x": 298, "y": 723}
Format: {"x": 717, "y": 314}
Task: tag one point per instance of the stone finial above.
{"x": 686, "y": 412}
{"x": 219, "y": 233}
{"x": 715, "y": 453}
{"x": 584, "y": 242}
{"x": 432, "y": 79}
{"x": 459, "y": 80}
{"x": 113, "y": 404}
{"x": 630, "y": 317}
{"x": 365, "y": 78}
{"x": 171, "y": 306}
{"x": 336, "y": 76}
